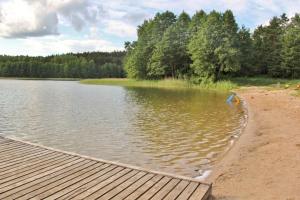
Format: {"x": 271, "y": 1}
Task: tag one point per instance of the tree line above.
{"x": 210, "y": 46}
{"x": 206, "y": 46}
{"x": 80, "y": 65}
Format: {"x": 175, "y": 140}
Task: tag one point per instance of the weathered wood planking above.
{"x": 30, "y": 171}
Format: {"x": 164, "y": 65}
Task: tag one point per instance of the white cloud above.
{"x": 20, "y": 19}
{"x": 94, "y": 20}
{"x": 29, "y": 18}
{"x": 120, "y": 28}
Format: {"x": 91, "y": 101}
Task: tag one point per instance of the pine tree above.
{"x": 246, "y": 52}
{"x": 291, "y": 49}
{"x": 197, "y": 21}
{"x": 268, "y": 46}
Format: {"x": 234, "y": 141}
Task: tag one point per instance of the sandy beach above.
{"x": 264, "y": 163}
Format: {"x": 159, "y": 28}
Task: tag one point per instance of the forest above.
{"x": 203, "y": 47}
{"x": 211, "y": 46}
{"x": 80, "y": 65}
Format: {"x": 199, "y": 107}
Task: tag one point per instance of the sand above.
{"x": 264, "y": 163}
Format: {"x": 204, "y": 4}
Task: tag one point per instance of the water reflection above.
{"x": 169, "y": 130}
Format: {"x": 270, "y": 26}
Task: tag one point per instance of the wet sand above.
{"x": 264, "y": 163}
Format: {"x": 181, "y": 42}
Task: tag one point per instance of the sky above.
{"x": 45, "y": 27}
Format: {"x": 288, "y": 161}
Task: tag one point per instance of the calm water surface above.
{"x": 169, "y": 130}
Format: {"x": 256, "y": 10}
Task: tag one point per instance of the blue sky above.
{"x": 44, "y": 27}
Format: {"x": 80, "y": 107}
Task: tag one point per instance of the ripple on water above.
{"x": 170, "y": 130}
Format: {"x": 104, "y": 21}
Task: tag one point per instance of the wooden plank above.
{"x": 19, "y": 161}
{"x": 153, "y": 190}
{"x": 19, "y": 152}
{"x": 7, "y": 141}
{"x": 187, "y": 192}
{"x": 29, "y": 171}
{"x": 26, "y": 165}
{"x": 2, "y": 139}
{"x": 116, "y": 190}
{"x": 16, "y": 149}
{"x": 137, "y": 192}
{"x": 129, "y": 190}
{"x": 177, "y": 190}
{"x": 66, "y": 182}
{"x": 16, "y": 178}
{"x": 21, "y": 185}
{"x": 200, "y": 193}
{"x": 84, "y": 188}
{"x": 54, "y": 181}
{"x": 45, "y": 162}
{"x": 15, "y": 162}
{"x": 11, "y": 144}
{"x": 101, "y": 184}
{"x": 67, "y": 192}
{"x": 99, "y": 191}
{"x": 166, "y": 189}
{"x": 11, "y": 166}
{"x": 119, "y": 164}
{"x": 16, "y": 155}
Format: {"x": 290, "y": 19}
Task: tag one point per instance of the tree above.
{"x": 291, "y": 49}
{"x": 149, "y": 34}
{"x": 213, "y": 49}
{"x": 170, "y": 57}
{"x": 197, "y": 21}
{"x": 80, "y": 65}
{"x": 246, "y": 52}
{"x": 268, "y": 46}
{"x": 260, "y": 50}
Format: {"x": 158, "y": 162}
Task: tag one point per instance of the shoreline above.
{"x": 262, "y": 163}
{"x": 221, "y": 86}
{"x": 40, "y": 79}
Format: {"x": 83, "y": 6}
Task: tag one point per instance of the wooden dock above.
{"x": 29, "y": 171}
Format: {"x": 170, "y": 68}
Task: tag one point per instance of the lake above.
{"x": 172, "y": 130}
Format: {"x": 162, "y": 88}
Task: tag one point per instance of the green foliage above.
{"x": 165, "y": 83}
{"x": 264, "y": 81}
{"x": 276, "y": 47}
{"x": 246, "y": 52}
{"x": 197, "y": 21}
{"x": 202, "y": 49}
{"x": 84, "y": 65}
{"x": 291, "y": 49}
{"x": 149, "y": 34}
{"x": 211, "y": 46}
{"x": 214, "y": 48}
{"x": 268, "y": 46}
{"x": 170, "y": 57}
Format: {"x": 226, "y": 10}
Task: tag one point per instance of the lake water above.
{"x": 169, "y": 130}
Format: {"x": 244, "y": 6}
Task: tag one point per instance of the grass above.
{"x": 166, "y": 83}
{"x": 264, "y": 81}
{"x": 270, "y": 83}
{"x": 224, "y": 85}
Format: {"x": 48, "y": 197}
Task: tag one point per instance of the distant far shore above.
{"x": 49, "y": 79}
{"x": 264, "y": 162}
